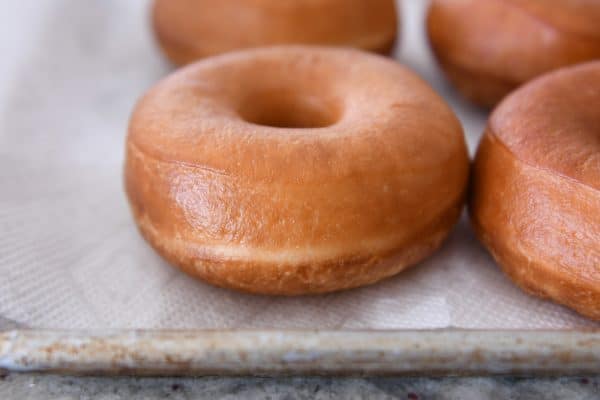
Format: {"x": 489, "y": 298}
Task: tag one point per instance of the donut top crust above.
{"x": 554, "y": 123}
{"x": 541, "y": 35}
{"x": 575, "y": 16}
{"x": 386, "y": 163}
{"x": 381, "y": 108}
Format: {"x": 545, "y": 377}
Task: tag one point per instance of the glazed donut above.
{"x": 536, "y": 191}
{"x": 188, "y": 30}
{"x": 488, "y": 48}
{"x": 294, "y": 170}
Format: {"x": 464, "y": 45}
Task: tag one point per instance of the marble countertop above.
{"x": 36, "y": 386}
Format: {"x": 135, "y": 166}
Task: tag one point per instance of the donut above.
{"x": 188, "y": 30}
{"x": 489, "y": 48}
{"x": 535, "y": 201}
{"x": 294, "y": 170}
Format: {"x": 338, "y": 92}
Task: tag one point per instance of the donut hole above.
{"x": 287, "y": 109}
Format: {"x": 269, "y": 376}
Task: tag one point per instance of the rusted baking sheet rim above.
{"x": 235, "y": 352}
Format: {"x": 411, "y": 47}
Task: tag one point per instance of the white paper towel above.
{"x": 70, "y": 255}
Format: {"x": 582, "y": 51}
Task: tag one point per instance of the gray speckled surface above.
{"x": 33, "y": 387}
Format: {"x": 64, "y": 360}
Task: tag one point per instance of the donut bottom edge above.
{"x": 303, "y": 278}
{"x": 528, "y": 261}
{"x": 511, "y": 264}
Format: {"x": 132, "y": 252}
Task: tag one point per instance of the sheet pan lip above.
{"x": 293, "y": 351}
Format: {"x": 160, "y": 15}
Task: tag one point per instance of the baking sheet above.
{"x": 239, "y": 352}
{"x": 70, "y": 256}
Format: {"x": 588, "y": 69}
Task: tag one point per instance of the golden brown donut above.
{"x": 488, "y": 48}
{"x": 188, "y": 30}
{"x": 294, "y": 170}
{"x": 536, "y": 190}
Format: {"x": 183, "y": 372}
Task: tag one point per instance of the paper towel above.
{"x": 70, "y": 255}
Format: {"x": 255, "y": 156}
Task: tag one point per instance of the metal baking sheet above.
{"x": 444, "y": 352}
{"x": 216, "y": 351}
